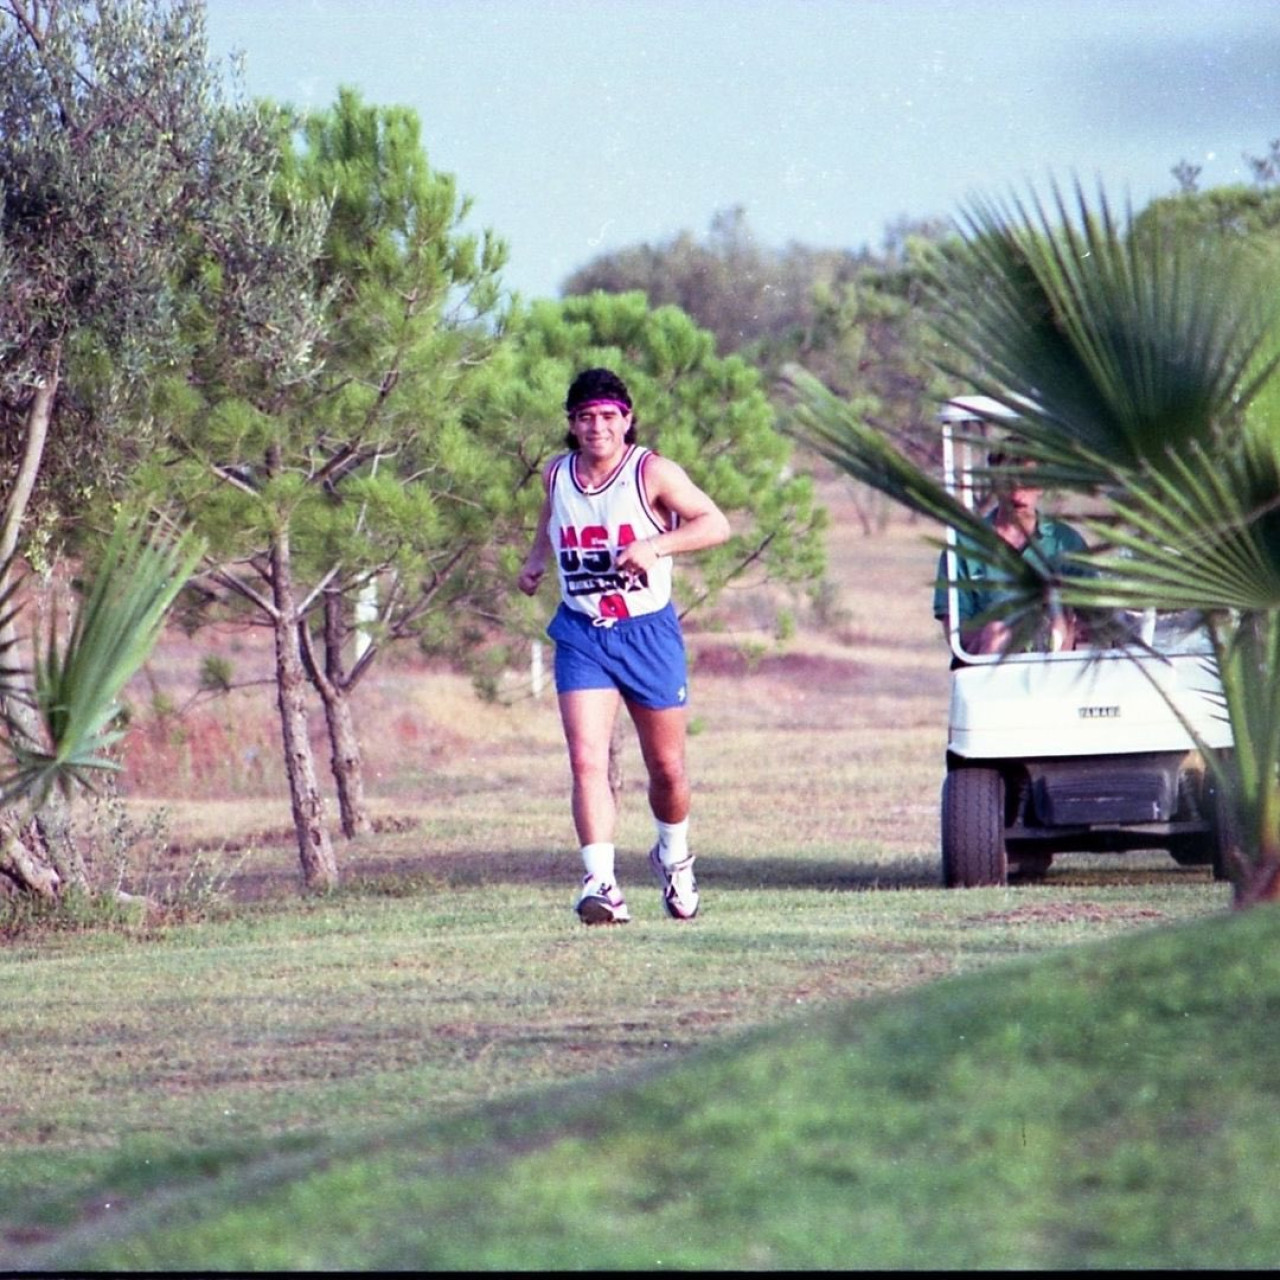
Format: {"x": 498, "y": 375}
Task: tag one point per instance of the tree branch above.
{"x": 245, "y": 592}
{"x": 743, "y": 565}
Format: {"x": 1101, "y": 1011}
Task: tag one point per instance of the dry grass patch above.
{"x": 816, "y": 759}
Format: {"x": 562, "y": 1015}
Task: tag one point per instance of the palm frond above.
{"x": 1107, "y": 344}
{"x": 1248, "y": 656}
{"x": 77, "y": 685}
{"x": 835, "y": 430}
{"x": 10, "y": 684}
{"x": 1142, "y": 366}
{"x": 1199, "y": 535}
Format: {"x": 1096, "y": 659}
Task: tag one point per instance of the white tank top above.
{"x": 589, "y": 527}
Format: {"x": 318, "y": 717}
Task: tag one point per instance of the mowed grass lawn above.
{"x": 473, "y": 1087}
{"x": 837, "y": 1064}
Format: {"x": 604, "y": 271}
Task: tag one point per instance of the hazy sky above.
{"x": 580, "y": 127}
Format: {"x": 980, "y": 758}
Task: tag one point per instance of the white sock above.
{"x": 673, "y": 841}
{"x": 597, "y": 859}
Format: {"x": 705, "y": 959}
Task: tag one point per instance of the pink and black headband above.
{"x": 620, "y": 405}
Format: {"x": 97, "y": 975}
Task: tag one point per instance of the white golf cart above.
{"x": 1078, "y": 750}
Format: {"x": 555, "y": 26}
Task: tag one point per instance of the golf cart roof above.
{"x": 975, "y": 409}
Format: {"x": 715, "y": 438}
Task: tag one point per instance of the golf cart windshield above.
{"x": 972, "y": 430}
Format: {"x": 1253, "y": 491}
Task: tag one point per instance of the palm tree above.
{"x": 1143, "y": 369}
{"x": 59, "y": 725}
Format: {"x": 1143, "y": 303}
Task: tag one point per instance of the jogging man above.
{"x": 614, "y": 515}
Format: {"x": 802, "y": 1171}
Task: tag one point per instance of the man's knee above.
{"x": 667, "y": 772}
{"x": 588, "y": 766}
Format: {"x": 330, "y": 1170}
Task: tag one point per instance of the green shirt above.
{"x": 979, "y": 584}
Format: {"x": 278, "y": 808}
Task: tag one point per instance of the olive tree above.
{"x": 120, "y": 151}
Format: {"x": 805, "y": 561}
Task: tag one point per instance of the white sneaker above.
{"x": 600, "y": 902}
{"x": 679, "y": 888}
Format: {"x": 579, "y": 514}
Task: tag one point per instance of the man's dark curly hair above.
{"x": 598, "y": 384}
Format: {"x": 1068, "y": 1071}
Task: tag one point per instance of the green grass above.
{"x": 1107, "y": 1104}
{"x": 179, "y": 1061}
{"x": 839, "y": 1064}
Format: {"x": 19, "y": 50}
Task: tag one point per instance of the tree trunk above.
{"x": 23, "y": 866}
{"x": 347, "y": 762}
{"x": 615, "y": 760}
{"x": 319, "y": 869}
{"x": 36, "y": 432}
{"x": 33, "y": 857}
{"x": 1257, "y": 880}
{"x": 346, "y": 758}
{"x": 36, "y": 854}
{"x": 1258, "y": 884}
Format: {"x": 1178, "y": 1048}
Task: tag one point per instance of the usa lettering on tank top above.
{"x": 589, "y": 527}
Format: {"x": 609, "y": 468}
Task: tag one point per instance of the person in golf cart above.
{"x": 1017, "y": 519}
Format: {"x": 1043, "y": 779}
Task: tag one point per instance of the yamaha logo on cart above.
{"x": 1099, "y": 713}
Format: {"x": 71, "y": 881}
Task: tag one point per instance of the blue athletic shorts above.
{"x": 643, "y": 658}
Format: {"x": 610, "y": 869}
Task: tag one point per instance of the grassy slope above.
{"x": 373, "y": 1079}
{"x": 1109, "y": 1105}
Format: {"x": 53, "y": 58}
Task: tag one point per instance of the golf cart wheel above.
{"x": 973, "y": 848}
{"x": 1218, "y": 846}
